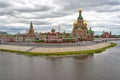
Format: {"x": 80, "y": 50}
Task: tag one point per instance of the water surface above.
{"x": 104, "y": 66}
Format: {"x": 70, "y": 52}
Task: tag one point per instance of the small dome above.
{"x": 80, "y": 9}
{"x": 52, "y": 30}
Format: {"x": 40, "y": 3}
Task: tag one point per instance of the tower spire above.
{"x": 110, "y": 33}
{"x": 80, "y": 14}
{"x": 31, "y": 31}
{"x": 90, "y": 28}
{"x": 31, "y": 25}
{"x": 80, "y": 11}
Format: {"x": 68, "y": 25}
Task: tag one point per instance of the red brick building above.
{"x": 106, "y": 34}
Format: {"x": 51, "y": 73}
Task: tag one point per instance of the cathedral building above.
{"x": 80, "y": 30}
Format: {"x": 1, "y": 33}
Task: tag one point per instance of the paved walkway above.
{"x": 13, "y": 47}
{"x": 67, "y": 49}
{"x": 53, "y": 49}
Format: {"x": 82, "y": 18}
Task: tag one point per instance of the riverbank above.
{"x": 40, "y": 51}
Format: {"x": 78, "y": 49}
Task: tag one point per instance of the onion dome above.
{"x": 84, "y": 22}
{"x": 75, "y": 22}
{"x": 53, "y": 30}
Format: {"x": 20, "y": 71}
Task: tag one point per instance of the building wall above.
{"x": 11, "y": 38}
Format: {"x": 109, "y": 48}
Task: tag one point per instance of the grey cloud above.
{"x": 118, "y": 16}
{"x": 46, "y": 28}
{"x": 67, "y": 7}
{"x": 34, "y": 22}
{"x": 7, "y": 12}
{"x": 12, "y": 28}
{"x": 36, "y": 9}
{"x": 41, "y": 23}
{"x": 4, "y": 4}
{"x": 87, "y": 4}
{"x": 49, "y": 14}
{"x": 115, "y": 26}
{"x": 112, "y": 2}
{"x": 107, "y": 8}
{"x": 110, "y": 10}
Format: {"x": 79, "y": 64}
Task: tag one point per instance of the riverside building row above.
{"x": 80, "y": 32}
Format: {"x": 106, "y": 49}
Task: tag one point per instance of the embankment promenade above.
{"x": 57, "y": 50}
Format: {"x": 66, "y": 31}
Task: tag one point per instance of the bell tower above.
{"x": 31, "y": 30}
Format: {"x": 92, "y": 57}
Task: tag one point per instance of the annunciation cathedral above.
{"x": 80, "y": 30}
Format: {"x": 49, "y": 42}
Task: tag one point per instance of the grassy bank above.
{"x": 60, "y": 53}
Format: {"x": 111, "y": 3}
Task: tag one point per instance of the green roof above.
{"x": 80, "y": 17}
{"x": 89, "y": 31}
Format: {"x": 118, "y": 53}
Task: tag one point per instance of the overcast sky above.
{"x": 16, "y": 15}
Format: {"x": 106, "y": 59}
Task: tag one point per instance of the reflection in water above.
{"x": 53, "y": 58}
{"x": 104, "y": 66}
{"x": 82, "y": 57}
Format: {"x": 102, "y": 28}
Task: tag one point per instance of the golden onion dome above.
{"x": 84, "y": 22}
{"x": 75, "y": 22}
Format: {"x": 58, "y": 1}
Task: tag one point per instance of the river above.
{"x": 103, "y": 66}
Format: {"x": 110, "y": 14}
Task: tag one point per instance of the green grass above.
{"x": 60, "y": 53}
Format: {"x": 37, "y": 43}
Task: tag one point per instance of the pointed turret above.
{"x": 110, "y": 33}
{"x": 31, "y": 26}
{"x": 90, "y": 28}
{"x": 64, "y": 32}
{"x": 103, "y": 31}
